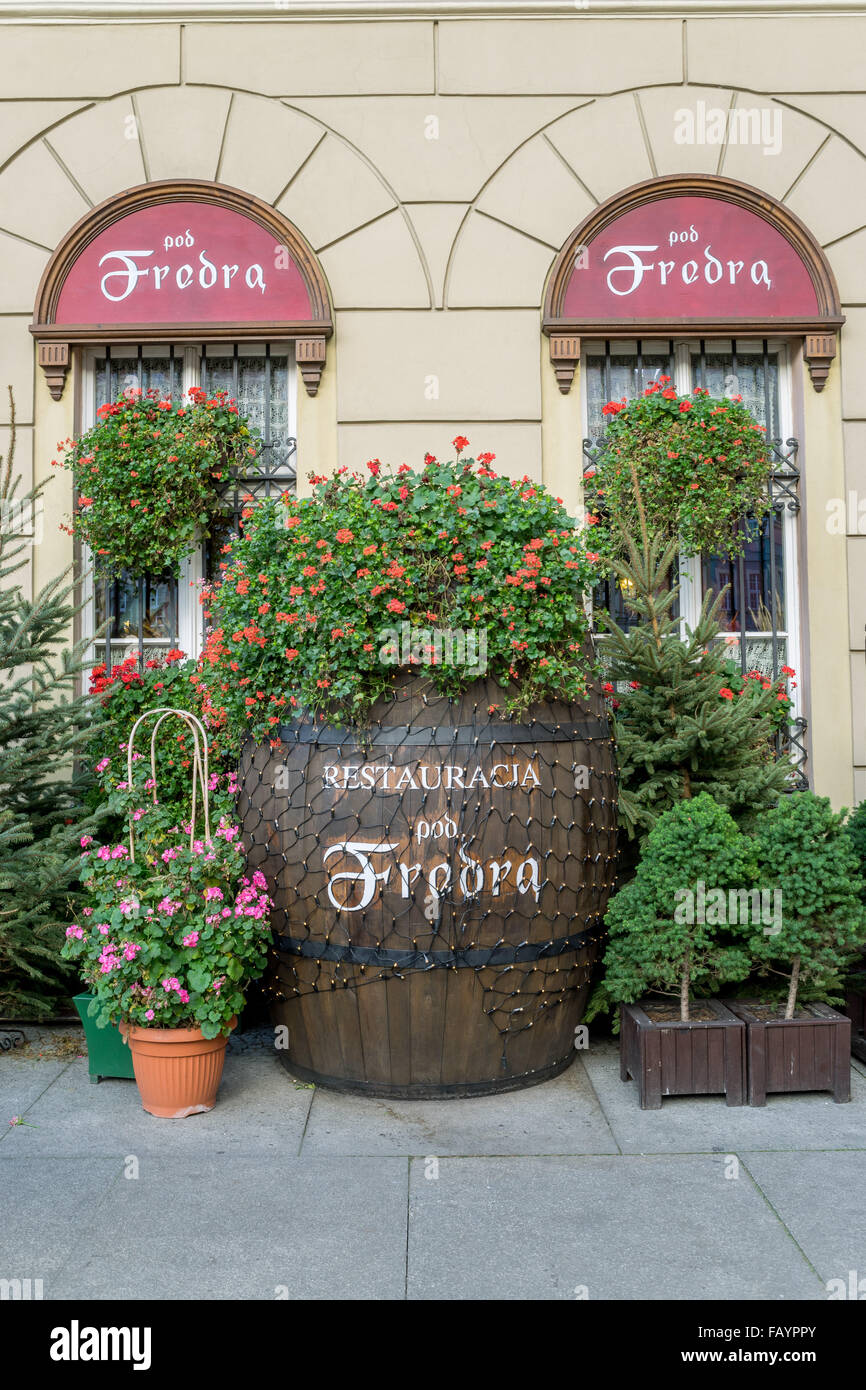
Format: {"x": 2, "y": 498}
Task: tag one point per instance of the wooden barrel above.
{"x": 440, "y": 879}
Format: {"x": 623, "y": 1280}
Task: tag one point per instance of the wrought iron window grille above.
{"x": 269, "y": 472}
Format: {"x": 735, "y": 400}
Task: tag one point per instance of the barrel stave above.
{"x": 522, "y": 857}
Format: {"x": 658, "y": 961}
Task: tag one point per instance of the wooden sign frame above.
{"x": 818, "y": 332}
{"x": 56, "y": 339}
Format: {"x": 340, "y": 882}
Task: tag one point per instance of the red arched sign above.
{"x": 193, "y": 258}
{"x": 184, "y": 263}
{"x": 704, "y": 255}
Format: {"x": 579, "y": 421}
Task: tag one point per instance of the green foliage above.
{"x": 805, "y": 852}
{"x": 661, "y": 938}
{"x": 699, "y": 464}
{"x": 855, "y": 829}
{"x": 683, "y": 722}
{"x": 126, "y": 692}
{"x": 42, "y": 726}
{"x": 147, "y": 475}
{"x": 316, "y": 596}
{"x": 171, "y": 938}
{"x": 799, "y": 857}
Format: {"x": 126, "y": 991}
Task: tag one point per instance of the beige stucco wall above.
{"x": 436, "y": 167}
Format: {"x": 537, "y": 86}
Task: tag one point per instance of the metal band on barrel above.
{"x": 447, "y": 736}
{"x": 474, "y": 957}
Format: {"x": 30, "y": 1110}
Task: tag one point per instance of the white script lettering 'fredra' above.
{"x": 118, "y": 283}
{"x": 625, "y": 278}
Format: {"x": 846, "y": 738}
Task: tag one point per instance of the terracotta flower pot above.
{"x": 177, "y": 1071}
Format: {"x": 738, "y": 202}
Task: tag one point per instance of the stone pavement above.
{"x": 560, "y": 1191}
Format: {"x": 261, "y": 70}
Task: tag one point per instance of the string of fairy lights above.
{"x": 445, "y": 842}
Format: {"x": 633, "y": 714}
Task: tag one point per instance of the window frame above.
{"x": 189, "y": 634}
{"x": 682, "y": 351}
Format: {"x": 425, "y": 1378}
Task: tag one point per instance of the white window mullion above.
{"x": 691, "y": 587}
{"x": 790, "y": 535}
{"x": 189, "y": 625}
{"x": 88, "y": 586}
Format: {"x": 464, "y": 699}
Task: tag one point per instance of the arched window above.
{"x": 716, "y": 285}
{"x": 175, "y": 285}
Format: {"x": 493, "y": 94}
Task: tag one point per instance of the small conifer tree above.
{"x": 804, "y": 851}
{"x": 682, "y": 727}
{"x": 855, "y": 829}
{"x": 668, "y": 925}
{"x": 42, "y": 725}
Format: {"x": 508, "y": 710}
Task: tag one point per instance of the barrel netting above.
{"x": 509, "y": 881}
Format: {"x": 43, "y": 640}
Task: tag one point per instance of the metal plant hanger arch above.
{"x": 198, "y": 774}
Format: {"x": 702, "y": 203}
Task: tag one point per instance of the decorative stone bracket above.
{"x": 69, "y": 309}
{"x": 54, "y": 361}
{"x": 565, "y": 355}
{"x": 577, "y": 303}
{"x": 310, "y": 357}
{"x": 819, "y": 351}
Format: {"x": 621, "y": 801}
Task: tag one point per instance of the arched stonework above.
{"x": 309, "y": 327}
{"x": 817, "y": 312}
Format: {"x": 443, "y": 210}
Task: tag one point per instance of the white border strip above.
{"x": 59, "y": 11}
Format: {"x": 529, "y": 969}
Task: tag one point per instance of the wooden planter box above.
{"x": 855, "y": 1009}
{"x": 797, "y": 1054}
{"x": 670, "y": 1058}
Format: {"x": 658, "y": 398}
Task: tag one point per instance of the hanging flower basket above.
{"x": 147, "y": 476}
{"x": 698, "y": 465}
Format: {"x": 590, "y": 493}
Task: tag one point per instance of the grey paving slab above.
{"x": 21, "y": 1083}
{"x": 559, "y": 1116}
{"x": 597, "y": 1227}
{"x": 820, "y": 1198}
{"x": 48, "y": 1207}
{"x": 695, "y": 1124}
{"x": 259, "y": 1111}
{"x": 207, "y": 1227}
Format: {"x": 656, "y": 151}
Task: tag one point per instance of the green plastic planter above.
{"x": 107, "y": 1053}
